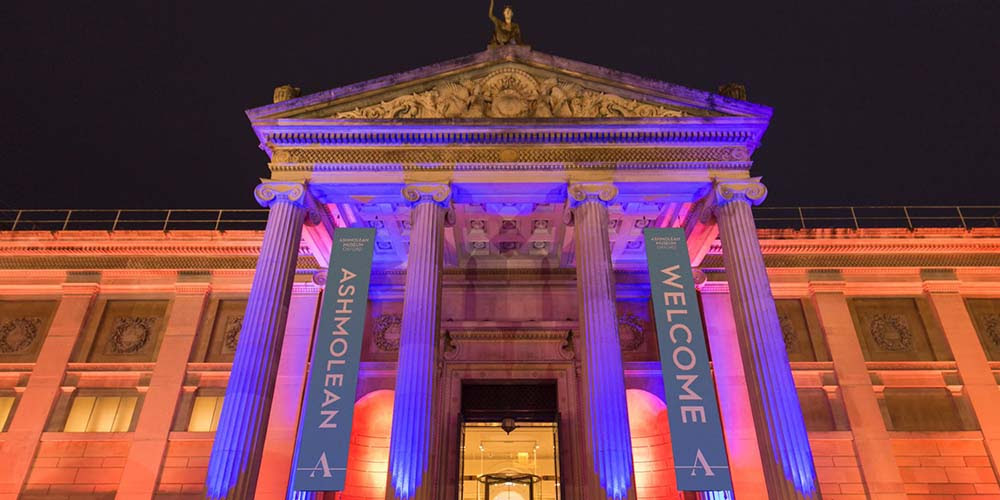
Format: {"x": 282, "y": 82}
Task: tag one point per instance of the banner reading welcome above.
{"x": 700, "y": 461}
{"x": 325, "y": 427}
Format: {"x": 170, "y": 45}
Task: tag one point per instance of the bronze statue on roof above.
{"x": 505, "y": 32}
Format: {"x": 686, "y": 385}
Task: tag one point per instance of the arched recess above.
{"x": 651, "y": 453}
{"x": 368, "y": 458}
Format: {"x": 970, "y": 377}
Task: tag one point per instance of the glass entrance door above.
{"x": 505, "y": 464}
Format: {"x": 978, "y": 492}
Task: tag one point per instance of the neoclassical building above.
{"x": 509, "y": 349}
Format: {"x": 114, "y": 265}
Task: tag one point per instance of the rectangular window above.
{"x": 6, "y": 411}
{"x": 101, "y": 414}
{"x": 205, "y": 414}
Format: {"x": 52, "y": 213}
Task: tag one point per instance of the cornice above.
{"x": 889, "y": 260}
{"x": 346, "y": 133}
{"x": 206, "y": 262}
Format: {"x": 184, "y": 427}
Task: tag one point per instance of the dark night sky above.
{"x": 118, "y": 105}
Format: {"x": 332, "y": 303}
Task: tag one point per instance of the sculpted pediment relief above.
{"x": 510, "y": 93}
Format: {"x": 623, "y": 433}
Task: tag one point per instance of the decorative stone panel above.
{"x": 224, "y": 336}
{"x": 816, "y": 410}
{"x": 985, "y": 315}
{"x": 130, "y": 331}
{"x": 923, "y": 410}
{"x": 795, "y": 330}
{"x": 897, "y": 329}
{"x": 636, "y": 332}
{"x": 23, "y": 326}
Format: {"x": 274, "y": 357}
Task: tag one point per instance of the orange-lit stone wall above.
{"x": 76, "y": 468}
{"x": 842, "y": 297}
{"x": 184, "y": 467}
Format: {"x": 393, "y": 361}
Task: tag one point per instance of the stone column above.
{"x": 279, "y": 444}
{"x": 409, "y": 447}
{"x": 871, "y": 439}
{"x": 32, "y": 412}
{"x": 979, "y": 384}
{"x": 149, "y": 443}
{"x": 239, "y": 440}
{"x": 603, "y": 375}
{"x": 781, "y": 431}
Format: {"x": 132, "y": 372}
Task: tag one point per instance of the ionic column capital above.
{"x": 727, "y": 191}
{"x": 427, "y": 192}
{"x": 583, "y": 192}
{"x": 269, "y": 192}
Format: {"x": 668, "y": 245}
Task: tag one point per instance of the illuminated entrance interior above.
{"x": 510, "y": 442}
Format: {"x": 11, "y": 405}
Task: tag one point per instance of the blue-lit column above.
{"x": 603, "y": 375}
{"x": 239, "y": 440}
{"x": 410, "y": 442}
{"x": 781, "y": 431}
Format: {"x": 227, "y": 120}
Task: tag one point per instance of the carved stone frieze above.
{"x": 130, "y": 334}
{"x": 387, "y": 332}
{"x": 503, "y": 159}
{"x": 788, "y": 333}
{"x": 18, "y": 334}
{"x": 630, "y": 332}
{"x": 510, "y": 93}
{"x": 231, "y": 332}
{"x": 891, "y": 332}
{"x": 991, "y": 323}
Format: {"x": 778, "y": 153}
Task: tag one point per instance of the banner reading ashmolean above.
{"x": 700, "y": 461}
{"x": 325, "y": 426}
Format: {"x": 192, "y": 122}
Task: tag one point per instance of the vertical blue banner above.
{"x": 325, "y": 427}
{"x": 700, "y": 461}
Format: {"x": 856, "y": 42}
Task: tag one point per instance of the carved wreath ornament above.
{"x": 890, "y": 332}
{"x": 387, "y": 330}
{"x": 17, "y": 334}
{"x": 630, "y": 332}
{"x": 510, "y": 93}
{"x": 131, "y": 333}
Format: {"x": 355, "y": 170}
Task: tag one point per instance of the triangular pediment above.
{"x": 509, "y": 83}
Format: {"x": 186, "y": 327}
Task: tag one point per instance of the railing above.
{"x": 909, "y": 217}
{"x": 860, "y": 217}
{"x": 121, "y": 220}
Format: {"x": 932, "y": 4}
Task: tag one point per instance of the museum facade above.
{"x": 509, "y": 348}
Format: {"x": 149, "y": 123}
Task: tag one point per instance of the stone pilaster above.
{"x": 979, "y": 384}
{"x": 603, "y": 376}
{"x": 239, "y": 440}
{"x": 149, "y": 443}
{"x": 25, "y": 430}
{"x": 872, "y": 445}
{"x": 781, "y": 430}
{"x": 410, "y": 445}
{"x": 734, "y": 402}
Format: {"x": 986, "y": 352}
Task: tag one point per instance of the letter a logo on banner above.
{"x": 700, "y": 461}
{"x": 325, "y": 426}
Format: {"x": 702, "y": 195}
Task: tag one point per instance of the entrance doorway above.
{"x": 509, "y": 441}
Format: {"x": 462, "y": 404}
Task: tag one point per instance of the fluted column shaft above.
{"x": 239, "y": 440}
{"x": 411, "y": 417}
{"x": 781, "y": 431}
{"x": 604, "y": 377}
